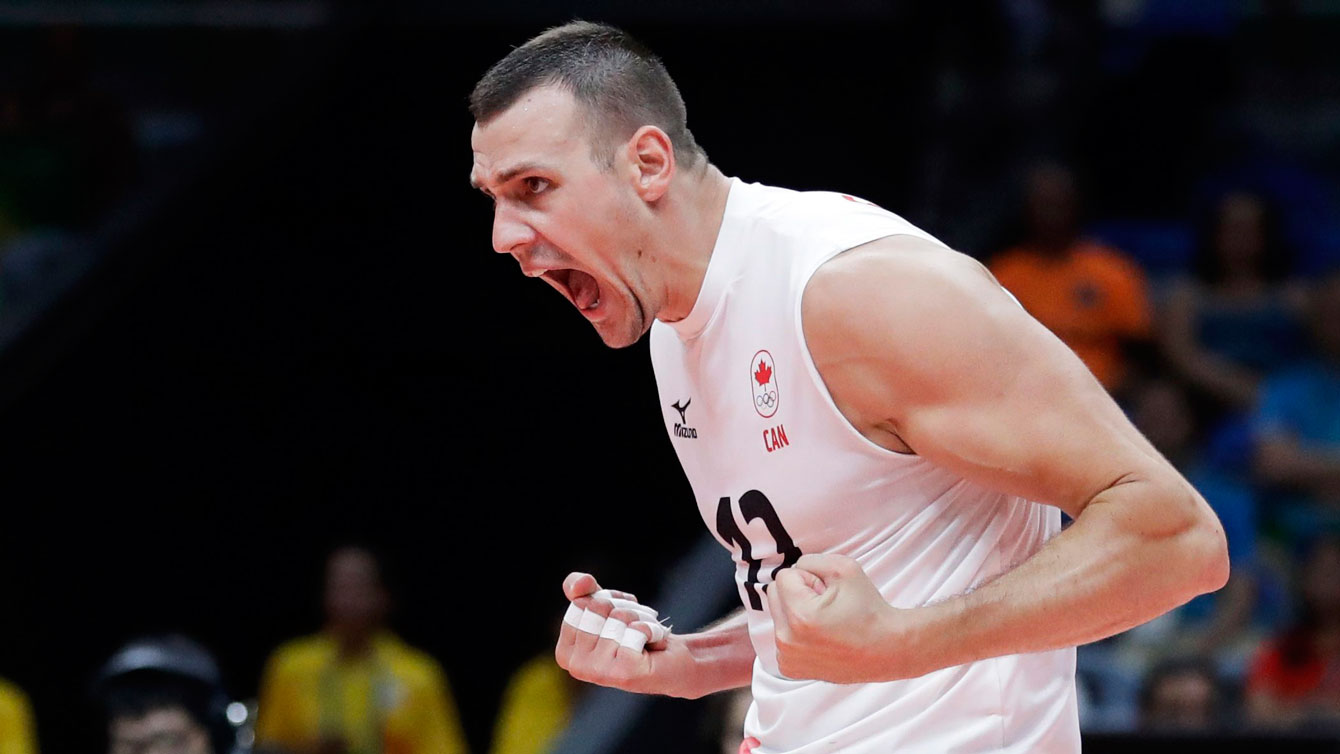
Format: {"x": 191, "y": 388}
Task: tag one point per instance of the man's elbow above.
{"x": 1207, "y": 550}
{"x": 1193, "y": 551}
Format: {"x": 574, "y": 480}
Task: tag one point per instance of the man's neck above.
{"x": 352, "y": 645}
{"x": 692, "y": 224}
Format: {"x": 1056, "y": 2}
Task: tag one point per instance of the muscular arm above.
{"x": 922, "y": 350}
{"x": 723, "y": 655}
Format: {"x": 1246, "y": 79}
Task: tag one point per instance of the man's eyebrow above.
{"x": 509, "y": 174}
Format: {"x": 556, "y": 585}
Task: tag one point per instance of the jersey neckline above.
{"x": 720, "y": 268}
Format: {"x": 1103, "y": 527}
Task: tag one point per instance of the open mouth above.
{"x": 580, "y": 288}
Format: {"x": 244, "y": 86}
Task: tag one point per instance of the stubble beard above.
{"x": 630, "y": 329}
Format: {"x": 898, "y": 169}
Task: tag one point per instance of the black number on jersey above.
{"x": 755, "y": 505}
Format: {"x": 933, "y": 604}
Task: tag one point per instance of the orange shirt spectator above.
{"x": 1092, "y": 296}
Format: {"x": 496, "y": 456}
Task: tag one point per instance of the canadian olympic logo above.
{"x": 763, "y": 383}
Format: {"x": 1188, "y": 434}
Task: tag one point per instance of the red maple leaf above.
{"x": 763, "y": 374}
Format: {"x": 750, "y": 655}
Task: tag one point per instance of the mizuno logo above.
{"x": 681, "y": 428}
{"x": 682, "y": 409}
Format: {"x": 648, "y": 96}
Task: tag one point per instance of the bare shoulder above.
{"x": 903, "y": 264}
{"x": 923, "y": 351}
{"x": 890, "y": 323}
{"x": 901, "y": 295}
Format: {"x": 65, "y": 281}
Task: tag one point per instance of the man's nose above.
{"x": 511, "y": 234}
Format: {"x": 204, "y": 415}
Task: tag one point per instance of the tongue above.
{"x": 585, "y": 289}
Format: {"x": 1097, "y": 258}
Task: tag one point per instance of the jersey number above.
{"x": 755, "y": 505}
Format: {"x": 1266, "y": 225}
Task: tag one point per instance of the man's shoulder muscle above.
{"x": 878, "y": 304}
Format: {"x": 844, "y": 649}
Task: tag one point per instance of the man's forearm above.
{"x": 1135, "y": 552}
{"x": 723, "y": 655}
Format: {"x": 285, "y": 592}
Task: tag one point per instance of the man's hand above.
{"x": 598, "y": 650}
{"x": 832, "y": 624}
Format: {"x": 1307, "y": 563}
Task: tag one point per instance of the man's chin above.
{"x": 618, "y": 338}
{"x": 621, "y": 334}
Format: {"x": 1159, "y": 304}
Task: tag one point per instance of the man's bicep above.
{"x": 966, "y": 378}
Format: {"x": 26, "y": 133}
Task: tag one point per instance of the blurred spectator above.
{"x": 1295, "y": 679}
{"x": 735, "y": 706}
{"x": 17, "y": 733}
{"x": 1092, "y": 296}
{"x": 1298, "y": 424}
{"x": 1181, "y": 696}
{"x": 1236, "y": 319}
{"x": 356, "y": 688}
{"x": 165, "y": 695}
{"x": 1219, "y": 622}
{"x": 536, "y": 707}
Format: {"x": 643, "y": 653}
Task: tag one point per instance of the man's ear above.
{"x": 652, "y": 158}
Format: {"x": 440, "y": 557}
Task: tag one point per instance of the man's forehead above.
{"x": 541, "y": 125}
{"x": 161, "y": 718}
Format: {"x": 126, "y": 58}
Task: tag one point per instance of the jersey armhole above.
{"x": 812, "y": 370}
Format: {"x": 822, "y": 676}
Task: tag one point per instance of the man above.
{"x": 1090, "y": 295}
{"x": 165, "y": 695}
{"x": 355, "y": 688}
{"x": 17, "y": 732}
{"x": 1182, "y": 695}
{"x": 875, "y": 480}
{"x": 1297, "y": 425}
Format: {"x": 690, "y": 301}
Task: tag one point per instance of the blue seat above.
{"x": 1306, "y": 202}
{"x": 1162, "y": 247}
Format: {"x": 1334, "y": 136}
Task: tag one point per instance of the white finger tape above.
{"x": 633, "y": 639}
{"x": 614, "y": 629}
{"x": 591, "y": 622}
{"x": 609, "y": 596}
{"x": 573, "y": 617}
{"x": 643, "y": 611}
{"x": 658, "y": 632}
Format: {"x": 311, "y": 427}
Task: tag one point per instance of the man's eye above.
{"x": 536, "y": 185}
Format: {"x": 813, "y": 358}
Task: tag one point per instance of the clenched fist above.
{"x": 832, "y": 624}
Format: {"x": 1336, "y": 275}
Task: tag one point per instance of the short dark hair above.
{"x": 1275, "y": 262}
{"x": 620, "y": 84}
{"x": 166, "y": 672}
{"x": 142, "y": 692}
{"x": 1175, "y": 667}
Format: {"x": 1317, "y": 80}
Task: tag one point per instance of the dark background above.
{"x": 306, "y": 338}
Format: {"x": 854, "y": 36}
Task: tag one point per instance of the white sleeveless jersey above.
{"x": 777, "y": 471}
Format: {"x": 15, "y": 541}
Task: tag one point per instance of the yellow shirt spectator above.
{"x": 536, "y": 708}
{"x": 392, "y": 700}
{"x": 16, "y": 721}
